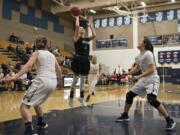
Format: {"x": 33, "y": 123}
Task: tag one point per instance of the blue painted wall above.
{"x": 29, "y": 18}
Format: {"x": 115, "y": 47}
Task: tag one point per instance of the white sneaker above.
{"x": 82, "y": 102}
{"x": 71, "y": 105}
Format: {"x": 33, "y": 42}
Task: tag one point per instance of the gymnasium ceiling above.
{"x": 63, "y": 6}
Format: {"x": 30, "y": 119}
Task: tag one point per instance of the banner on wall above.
{"x": 155, "y": 40}
{"x": 159, "y": 16}
{"x": 161, "y": 57}
{"x": 111, "y": 43}
{"x": 176, "y": 56}
{"x": 168, "y": 57}
{"x": 171, "y": 39}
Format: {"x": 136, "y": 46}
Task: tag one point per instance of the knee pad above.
{"x": 130, "y": 96}
{"x": 152, "y": 99}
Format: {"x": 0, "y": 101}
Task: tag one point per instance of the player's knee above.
{"x": 130, "y": 96}
{"x": 152, "y": 99}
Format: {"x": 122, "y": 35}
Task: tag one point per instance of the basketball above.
{"x": 75, "y": 11}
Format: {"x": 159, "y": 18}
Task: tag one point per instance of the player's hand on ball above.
{"x": 75, "y": 17}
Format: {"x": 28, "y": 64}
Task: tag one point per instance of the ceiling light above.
{"x": 143, "y": 3}
{"x": 173, "y": 0}
{"x": 92, "y": 11}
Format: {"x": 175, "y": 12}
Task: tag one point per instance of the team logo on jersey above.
{"x": 85, "y": 42}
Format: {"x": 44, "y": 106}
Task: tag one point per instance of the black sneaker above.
{"x": 42, "y": 125}
{"x": 88, "y": 98}
{"x": 170, "y": 124}
{"x": 93, "y": 93}
{"x": 123, "y": 117}
{"x": 30, "y": 132}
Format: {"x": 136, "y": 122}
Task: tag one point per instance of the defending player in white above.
{"x": 147, "y": 83}
{"x": 42, "y": 86}
{"x": 93, "y": 76}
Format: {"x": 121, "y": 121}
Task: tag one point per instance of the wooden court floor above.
{"x": 10, "y": 101}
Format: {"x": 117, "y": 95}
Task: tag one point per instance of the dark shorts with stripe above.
{"x": 80, "y": 64}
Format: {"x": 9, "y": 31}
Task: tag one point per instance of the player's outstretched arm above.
{"x": 58, "y": 70}
{"x": 25, "y": 68}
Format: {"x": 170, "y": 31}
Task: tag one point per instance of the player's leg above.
{"x": 82, "y": 82}
{"x": 40, "y": 119}
{"x": 73, "y": 87}
{"x": 152, "y": 90}
{"x": 27, "y": 118}
{"x": 93, "y": 79}
{"x": 138, "y": 89}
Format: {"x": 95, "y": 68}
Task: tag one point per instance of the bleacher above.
{"x": 11, "y": 59}
{"x": 4, "y": 44}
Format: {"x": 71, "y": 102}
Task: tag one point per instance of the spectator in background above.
{"x": 5, "y": 69}
{"x": 10, "y": 85}
{"x": 29, "y": 50}
{"x": 123, "y": 77}
{"x": 50, "y": 48}
{"x": 103, "y": 79}
{"x": 20, "y": 41}
{"x": 56, "y": 51}
{"x": 17, "y": 49}
{"x": 10, "y": 48}
{"x": 130, "y": 81}
{"x": 29, "y": 75}
{"x": 1, "y": 74}
{"x": 13, "y": 38}
{"x": 24, "y": 57}
{"x": 2, "y": 85}
{"x": 24, "y": 81}
{"x": 18, "y": 66}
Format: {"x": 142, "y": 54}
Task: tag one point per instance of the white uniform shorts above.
{"x": 39, "y": 91}
{"x": 93, "y": 80}
{"x": 147, "y": 85}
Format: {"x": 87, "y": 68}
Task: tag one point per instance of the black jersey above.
{"x": 82, "y": 46}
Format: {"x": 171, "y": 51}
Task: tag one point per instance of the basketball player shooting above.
{"x": 80, "y": 64}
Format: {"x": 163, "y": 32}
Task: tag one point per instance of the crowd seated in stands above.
{"x": 124, "y": 77}
{"x": 66, "y": 61}
{"x": 56, "y": 51}
{"x": 22, "y": 54}
{"x": 20, "y": 84}
{"x": 119, "y": 75}
{"x": 15, "y": 39}
{"x": 103, "y": 79}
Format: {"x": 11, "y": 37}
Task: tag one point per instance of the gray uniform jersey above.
{"x": 144, "y": 60}
{"x": 45, "y": 64}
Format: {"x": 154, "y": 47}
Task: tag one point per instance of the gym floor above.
{"x": 96, "y": 119}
